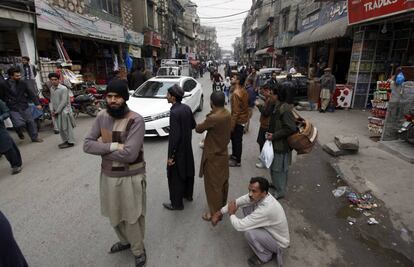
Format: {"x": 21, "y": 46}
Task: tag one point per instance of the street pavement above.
{"x": 53, "y": 206}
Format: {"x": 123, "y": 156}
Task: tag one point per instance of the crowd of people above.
{"x": 117, "y": 136}
{"x": 19, "y": 102}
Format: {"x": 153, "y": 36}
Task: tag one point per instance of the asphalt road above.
{"x": 53, "y": 206}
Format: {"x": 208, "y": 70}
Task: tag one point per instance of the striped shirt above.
{"x": 104, "y": 139}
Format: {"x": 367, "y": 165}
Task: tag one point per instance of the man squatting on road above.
{"x": 265, "y": 224}
{"x": 118, "y": 136}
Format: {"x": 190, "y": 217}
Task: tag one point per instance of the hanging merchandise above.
{"x": 128, "y": 61}
{"x": 116, "y": 64}
{"x": 63, "y": 54}
{"x": 379, "y": 108}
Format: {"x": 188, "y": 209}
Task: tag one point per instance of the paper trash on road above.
{"x": 372, "y": 221}
{"x": 340, "y": 191}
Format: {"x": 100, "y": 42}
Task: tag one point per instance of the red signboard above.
{"x": 365, "y": 10}
{"x": 152, "y": 38}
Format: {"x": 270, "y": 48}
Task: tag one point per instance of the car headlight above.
{"x": 160, "y": 116}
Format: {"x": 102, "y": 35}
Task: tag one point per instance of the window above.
{"x": 189, "y": 85}
{"x": 285, "y": 22}
{"x": 110, "y": 6}
{"x": 150, "y": 15}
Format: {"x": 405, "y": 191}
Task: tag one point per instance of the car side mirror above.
{"x": 187, "y": 94}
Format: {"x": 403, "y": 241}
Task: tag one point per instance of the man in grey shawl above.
{"x": 117, "y": 135}
{"x": 62, "y": 111}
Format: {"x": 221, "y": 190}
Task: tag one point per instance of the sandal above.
{"x": 206, "y": 216}
{"x": 118, "y": 246}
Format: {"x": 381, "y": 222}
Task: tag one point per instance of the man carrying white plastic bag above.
{"x": 267, "y": 155}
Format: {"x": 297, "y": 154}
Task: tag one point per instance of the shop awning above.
{"x": 301, "y": 38}
{"x": 331, "y": 30}
{"x": 264, "y": 51}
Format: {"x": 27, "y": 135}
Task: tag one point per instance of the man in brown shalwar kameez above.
{"x": 214, "y": 162}
{"x": 118, "y": 136}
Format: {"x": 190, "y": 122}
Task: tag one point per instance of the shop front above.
{"x": 16, "y": 37}
{"x": 92, "y": 48}
{"x": 323, "y": 41}
{"x": 383, "y": 43}
{"x": 383, "y": 39}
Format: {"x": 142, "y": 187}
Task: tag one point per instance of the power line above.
{"x": 219, "y": 3}
{"x": 236, "y": 14}
{"x": 232, "y": 15}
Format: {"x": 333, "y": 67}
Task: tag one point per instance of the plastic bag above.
{"x": 400, "y": 79}
{"x": 266, "y": 156}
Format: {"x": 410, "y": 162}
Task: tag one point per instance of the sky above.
{"x": 227, "y": 28}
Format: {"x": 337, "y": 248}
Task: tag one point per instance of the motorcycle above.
{"x": 406, "y": 132}
{"x": 86, "y": 104}
{"x": 99, "y": 93}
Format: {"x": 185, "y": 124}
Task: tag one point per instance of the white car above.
{"x": 150, "y": 100}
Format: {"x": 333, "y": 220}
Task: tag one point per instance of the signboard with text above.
{"x": 328, "y": 13}
{"x": 53, "y": 18}
{"x": 366, "y": 10}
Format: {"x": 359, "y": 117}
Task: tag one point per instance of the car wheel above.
{"x": 200, "y": 106}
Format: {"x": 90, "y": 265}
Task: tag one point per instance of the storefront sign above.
{"x": 134, "y": 51}
{"x": 365, "y": 10}
{"x": 135, "y": 38}
{"x": 53, "y": 18}
{"x": 152, "y": 38}
{"x": 251, "y": 42}
{"x": 328, "y": 13}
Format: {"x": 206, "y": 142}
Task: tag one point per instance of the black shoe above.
{"x": 16, "y": 170}
{"x": 233, "y": 163}
{"x": 55, "y": 131}
{"x": 254, "y": 261}
{"x": 189, "y": 199}
{"x": 169, "y": 206}
{"x": 66, "y": 145}
{"x": 118, "y": 246}
{"x": 141, "y": 260}
{"x": 37, "y": 140}
{"x": 20, "y": 135}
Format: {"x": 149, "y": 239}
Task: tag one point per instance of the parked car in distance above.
{"x": 300, "y": 82}
{"x": 150, "y": 101}
{"x": 169, "y": 71}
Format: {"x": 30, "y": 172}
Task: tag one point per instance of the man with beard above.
{"x": 239, "y": 117}
{"x": 17, "y": 96}
{"x": 62, "y": 111}
{"x": 118, "y": 136}
{"x": 214, "y": 164}
{"x": 180, "y": 163}
{"x": 265, "y": 225}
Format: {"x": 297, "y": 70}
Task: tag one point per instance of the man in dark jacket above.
{"x": 7, "y": 145}
{"x": 288, "y": 89}
{"x": 137, "y": 78}
{"x": 10, "y": 253}
{"x": 282, "y": 125}
{"x": 180, "y": 164}
{"x": 17, "y": 98}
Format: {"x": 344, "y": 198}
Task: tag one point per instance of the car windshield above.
{"x": 156, "y": 89}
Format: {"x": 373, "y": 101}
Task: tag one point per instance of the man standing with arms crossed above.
{"x": 214, "y": 164}
{"x": 62, "y": 111}
{"x": 118, "y": 137}
{"x": 239, "y": 117}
